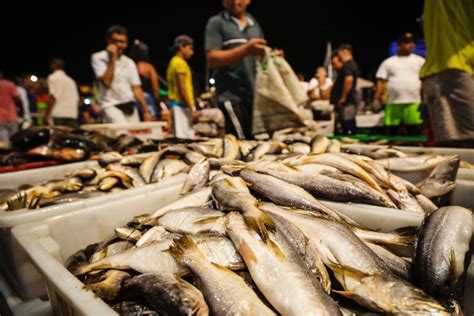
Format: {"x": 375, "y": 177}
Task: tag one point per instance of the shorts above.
{"x": 406, "y": 113}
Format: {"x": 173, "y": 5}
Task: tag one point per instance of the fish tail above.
{"x": 181, "y": 247}
{"x": 259, "y": 222}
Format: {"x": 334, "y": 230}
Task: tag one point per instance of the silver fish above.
{"x": 442, "y": 179}
{"x": 108, "y": 288}
{"x": 443, "y": 242}
{"x": 319, "y": 144}
{"x": 156, "y": 233}
{"x": 194, "y": 221}
{"x": 137, "y": 179}
{"x": 399, "y": 266}
{"x": 231, "y": 147}
{"x": 299, "y": 148}
{"x": 279, "y": 272}
{"x": 408, "y": 164}
{"x": 198, "y": 176}
{"x": 167, "y": 168}
{"x": 225, "y": 292}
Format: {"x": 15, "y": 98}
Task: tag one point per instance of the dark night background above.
{"x": 301, "y": 28}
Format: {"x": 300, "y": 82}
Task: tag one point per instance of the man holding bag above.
{"x": 119, "y": 80}
{"x": 233, "y": 39}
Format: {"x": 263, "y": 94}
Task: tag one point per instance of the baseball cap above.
{"x": 181, "y": 40}
{"x": 406, "y": 38}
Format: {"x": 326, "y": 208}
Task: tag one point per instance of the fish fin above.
{"x": 347, "y": 294}
{"x": 187, "y": 187}
{"x": 452, "y": 267}
{"x": 276, "y": 250}
{"x": 207, "y": 220}
{"x": 247, "y": 253}
{"x": 344, "y": 271}
{"x": 179, "y": 247}
{"x": 218, "y": 266}
{"x": 261, "y": 223}
{"x": 229, "y": 183}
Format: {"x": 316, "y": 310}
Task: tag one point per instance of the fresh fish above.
{"x": 193, "y": 157}
{"x": 408, "y": 164}
{"x": 149, "y": 259}
{"x": 336, "y": 162}
{"x": 319, "y": 144}
{"x": 299, "y": 148}
{"x": 287, "y": 194}
{"x": 231, "y": 147}
{"x": 443, "y": 242}
{"x": 442, "y": 179}
{"x": 399, "y": 266}
{"x": 279, "y": 272}
{"x": 167, "y": 168}
{"x": 110, "y": 286}
{"x": 246, "y": 146}
{"x": 305, "y": 249}
{"x": 313, "y": 168}
{"x": 405, "y": 236}
{"x": 127, "y": 233}
{"x": 156, "y": 233}
{"x": 334, "y": 147}
{"x": 427, "y": 205}
{"x": 196, "y": 198}
{"x": 209, "y": 148}
{"x": 168, "y": 294}
{"x": 86, "y": 173}
{"x": 219, "y": 250}
{"x": 137, "y": 179}
{"x": 225, "y": 292}
{"x": 64, "y": 154}
{"x": 133, "y": 161}
{"x": 124, "y": 178}
{"x": 232, "y": 194}
{"x": 386, "y": 293}
{"x": 109, "y": 157}
{"x": 194, "y": 221}
{"x": 198, "y": 176}
{"x": 108, "y": 183}
{"x": 332, "y": 240}
{"x": 323, "y": 186}
{"x": 405, "y": 201}
{"x": 110, "y": 250}
{"x": 148, "y": 166}
{"x": 268, "y": 147}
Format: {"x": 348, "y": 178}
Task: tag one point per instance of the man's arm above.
{"x": 379, "y": 88}
{"x": 219, "y": 58}
{"x": 348, "y": 83}
{"x": 138, "y": 93}
{"x": 181, "y": 81}
{"x": 155, "y": 85}
{"x": 108, "y": 75}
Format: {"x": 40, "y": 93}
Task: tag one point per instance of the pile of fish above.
{"x": 209, "y": 253}
{"x": 48, "y": 143}
{"x": 251, "y": 236}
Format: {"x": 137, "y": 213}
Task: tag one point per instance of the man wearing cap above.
{"x": 400, "y": 73}
{"x": 232, "y": 40}
{"x": 119, "y": 81}
{"x": 180, "y": 87}
{"x": 448, "y": 74}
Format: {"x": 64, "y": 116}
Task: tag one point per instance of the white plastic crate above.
{"x": 15, "y": 265}
{"x": 33, "y": 176}
{"x": 143, "y": 130}
{"x": 51, "y": 241}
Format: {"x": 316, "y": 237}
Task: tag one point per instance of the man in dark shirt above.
{"x": 232, "y": 40}
{"x": 343, "y": 94}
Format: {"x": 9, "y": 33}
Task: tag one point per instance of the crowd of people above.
{"x": 129, "y": 87}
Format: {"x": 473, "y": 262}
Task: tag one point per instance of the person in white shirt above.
{"x": 319, "y": 87}
{"x": 64, "y": 97}
{"x": 401, "y": 75}
{"x": 119, "y": 82}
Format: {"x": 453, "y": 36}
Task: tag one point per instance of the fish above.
{"x": 386, "y": 293}
{"x": 156, "y": 233}
{"x": 334, "y": 147}
{"x": 197, "y": 177}
{"x": 64, "y": 153}
{"x": 135, "y": 176}
{"x": 325, "y": 187}
{"x": 85, "y": 173}
{"x": 405, "y": 201}
{"x": 232, "y": 194}
{"x": 399, "y": 266}
{"x": 225, "y": 292}
{"x": 305, "y": 249}
{"x": 108, "y": 183}
{"x": 127, "y": 233}
{"x": 168, "y": 294}
{"x": 109, "y": 157}
{"x": 69, "y": 197}
{"x": 193, "y": 157}
{"x": 148, "y": 166}
{"x": 299, "y": 148}
{"x": 279, "y": 272}
{"x": 339, "y": 162}
{"x": 409, "y": 164}
{"x": 442, "y": 179}
{"x": 427, "y": 205}
{"x": 167, "y": 168}
{"x": 194, "y": 221}
{"x": 246, "y": 146}
{"x": 268, "y": 147}
{"x": 287, "y": 194}
{"x": 110, "y": 286}
{"x": 197, "y": 198}
{"x": 319, "y": 144}
{"x": 231, "y": 147}
{"x": 443, "y": 242}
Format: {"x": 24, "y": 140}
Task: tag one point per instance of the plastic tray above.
{"x": 49, "y": 242}
{"x": 143, "y": 130}
{"x": 14, "y": 263}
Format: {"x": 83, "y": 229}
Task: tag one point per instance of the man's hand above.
{"x": 112, "y": 49}
{"x": 256, "y": 46}
{"x": 147, "y": 117}
{"x": 341, "y": 103}
{"x": 194, "y": 115}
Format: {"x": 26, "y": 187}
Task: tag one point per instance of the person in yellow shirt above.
{"x": 448, "y": 73}
{"x": 180, "y": 87}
